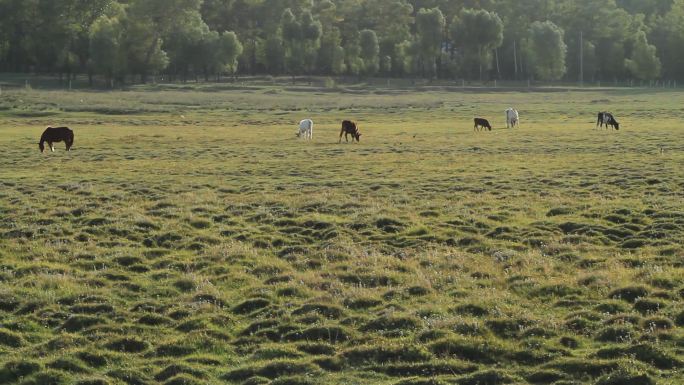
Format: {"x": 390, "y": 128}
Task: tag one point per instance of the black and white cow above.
{"x": 607, "y": 119}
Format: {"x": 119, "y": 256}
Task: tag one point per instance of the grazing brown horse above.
{"x": 56, "y": 134}
{"x": 349, "y": 128}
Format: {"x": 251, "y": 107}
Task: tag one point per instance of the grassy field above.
{"x": 190, "y": 238}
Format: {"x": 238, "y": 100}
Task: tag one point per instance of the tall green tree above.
{"x": 430, "y": 36}
{"x": 600, "y": 22}
{"x": 188, "y": 46}
{"x": 443, "y": 38}
{"x": 352, "y": 56}
{"x": 149, "y": 22}
{"x": 331, "y": 53}
{"x": 668, "y": 36}
{"x": 227, "y": 50}
{"x": 107, "y": 55}
{"x": 478, "y": 32}
{"x": 301, "y": 40}
{"x": 546, "y": 50}
{"x": 370, "y": 49}
{"x": 644, "y": 63}
{"x": 273, "y": 54}
{"x": 311, "y": 35}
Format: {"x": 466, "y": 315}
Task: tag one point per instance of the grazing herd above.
{"x": 64, "y": 134}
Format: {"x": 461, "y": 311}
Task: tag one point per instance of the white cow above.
{"x": 512, "y": 118}
{"x": 305, "y": 129}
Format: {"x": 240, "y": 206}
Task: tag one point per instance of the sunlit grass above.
{"x": 190, "y": 237}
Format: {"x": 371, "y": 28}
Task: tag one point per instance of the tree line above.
{"x": 546, "y": 40}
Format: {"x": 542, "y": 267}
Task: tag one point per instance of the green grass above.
{"x": 190, "y": 237}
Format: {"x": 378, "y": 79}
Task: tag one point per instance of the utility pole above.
{"x": 515, "y": 60}
{"x": 581, "y": 59}
{"x": 498, "y": 70}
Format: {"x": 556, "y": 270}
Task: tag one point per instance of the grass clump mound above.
{"x": 545, "y": 376}
{"x": 47, "y": 377}
{"x": 130, "y": 377}
{"x": 94, "y": 360}
{"x": 128, "y": 345}
{"x": 275, "y": 352}
{"x": 473, "y": 349}
{"x": 251, "y": 305}
{"x": 580, "y": 368}
{"x": 389, "y": 225}
{"x": 487, "y": 377}
{"x": 434, "y": 368}
{"x": 67, "y": 365}
{"x": 293, "y": 380}
{"x": 369, "y": 302}
{"x": 643, "y": 352}
{"x": 182, "y": 380}
{"x": 626, "y": 377}
{"x": 385, "y": 354}
{"x": 327, "y": 311}
{"x": 392, "y": 323}
{"x": 176, "y": 369}
{"x": 471, "y": 309}
{"x": 648, "y": 306}
{"x": 77, "y": 323}
{"x": 332, "y": 334}
{"x": 92, "y": 381}
{"x": 174, "y": 350}
{"x": 256, "y": 380}
{"x": 615, "y": 334}
{"x": 272, "y": 370}
{"x": 507, "y": 328}
{"x": 10, "y": 339}
{"x": 657, "y": 323}
{"x": 316, "y": 349}
{"x": 420, "y": 381}
{"x": 14, "y": 370}
{"x": 629, "y": 293}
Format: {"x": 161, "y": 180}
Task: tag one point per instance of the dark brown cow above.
{"x": 56, "y": 134}
{"x": 482, "y": 123}
{"x": 349, "y": 128}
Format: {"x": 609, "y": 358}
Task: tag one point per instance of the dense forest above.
{"x": 546, "y": 40}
